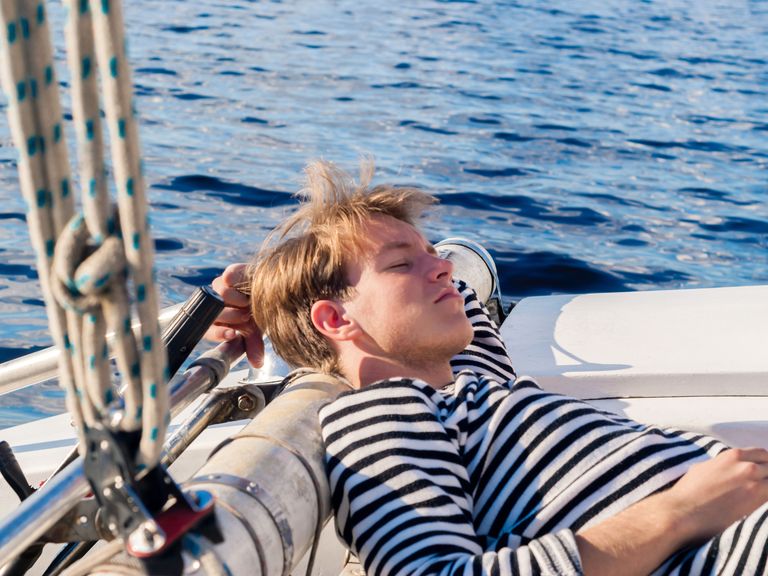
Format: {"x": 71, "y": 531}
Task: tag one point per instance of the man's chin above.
{"x": 455, "y": 346}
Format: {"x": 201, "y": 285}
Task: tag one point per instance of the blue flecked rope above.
{"x": 85, "y": 261}
{"x": 27, "y": 98}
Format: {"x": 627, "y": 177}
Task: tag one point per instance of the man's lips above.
{"x": 447, "y": 294}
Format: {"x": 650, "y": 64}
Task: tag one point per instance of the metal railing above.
{"x": 43, "y": 365}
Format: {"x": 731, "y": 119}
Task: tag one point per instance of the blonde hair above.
{"x": 304, "y": 259}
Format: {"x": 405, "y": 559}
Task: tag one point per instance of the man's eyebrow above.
{"x": 396, "y": 245}
{"x": 404, "y": 245}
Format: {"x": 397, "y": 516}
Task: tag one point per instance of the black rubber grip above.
{"x": 12, "y": 472}
{"x": 190, "y": 323}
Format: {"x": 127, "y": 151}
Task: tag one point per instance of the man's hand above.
{"x": 705, "y": 501}
{"x": 236, "y": 320}
{"x": 715, "y": 494}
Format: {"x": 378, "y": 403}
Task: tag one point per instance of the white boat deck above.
{"x": 693, "y": 359}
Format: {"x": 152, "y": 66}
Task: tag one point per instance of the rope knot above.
{"x": 84, "y": 271}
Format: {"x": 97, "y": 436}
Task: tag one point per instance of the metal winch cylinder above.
{"x": 272, "y": 495}
{"x": 474, "y": 265}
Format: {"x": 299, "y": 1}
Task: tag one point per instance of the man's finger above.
{"x": 235, "y": 274}
{"x": 231, "y": 297}
{"x": 242, "y": 328}
{"x": 757, "y": 455}
{"x": 233, "y": 316}
{"x": 218, "y": 333}
{"x": 254, "y": 349}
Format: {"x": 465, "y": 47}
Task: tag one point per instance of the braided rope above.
{"x": 86, "y": 262}
{"x": 21, "y": 89}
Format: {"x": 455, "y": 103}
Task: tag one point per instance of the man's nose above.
{"x": 440, "y": 268}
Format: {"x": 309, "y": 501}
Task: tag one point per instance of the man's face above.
{"x": 404, "y": 298}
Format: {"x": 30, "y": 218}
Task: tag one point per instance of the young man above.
{"x": 441, "y": 469}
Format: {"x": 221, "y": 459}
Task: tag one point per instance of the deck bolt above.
{"x": 245, "y": 403}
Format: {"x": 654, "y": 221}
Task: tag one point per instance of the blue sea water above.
{"x": 591, "y": 146}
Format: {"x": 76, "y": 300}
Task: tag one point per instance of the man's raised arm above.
{"x": 486, "y": 354}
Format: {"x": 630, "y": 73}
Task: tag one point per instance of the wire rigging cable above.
{"x": 92, "y": 265}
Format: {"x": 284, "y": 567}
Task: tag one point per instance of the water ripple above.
{"x": 230, "y": 192}
{"x": 525, "y": 207}
{"x": 497, "y": 172}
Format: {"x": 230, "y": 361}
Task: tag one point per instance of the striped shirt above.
{"x": 492, "y": 475}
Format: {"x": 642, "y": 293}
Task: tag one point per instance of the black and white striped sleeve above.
{"x": 486, "y": 354}
{"x": 402, "y": 496}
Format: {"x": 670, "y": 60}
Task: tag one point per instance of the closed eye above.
{"x": 398, "y": 266}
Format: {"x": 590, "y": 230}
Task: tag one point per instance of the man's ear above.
{"x": 330, "y": 318}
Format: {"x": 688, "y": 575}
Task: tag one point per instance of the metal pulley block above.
{"x": 147, "y": 510}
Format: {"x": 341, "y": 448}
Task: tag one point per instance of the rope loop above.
{"x": 84, "y": 272}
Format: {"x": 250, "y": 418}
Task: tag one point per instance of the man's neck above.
{"x": 372, "y": 369}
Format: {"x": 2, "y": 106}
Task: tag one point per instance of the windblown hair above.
{"x": 304, "y": 259}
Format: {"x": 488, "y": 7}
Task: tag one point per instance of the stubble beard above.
{"x": 417, "y": 353}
